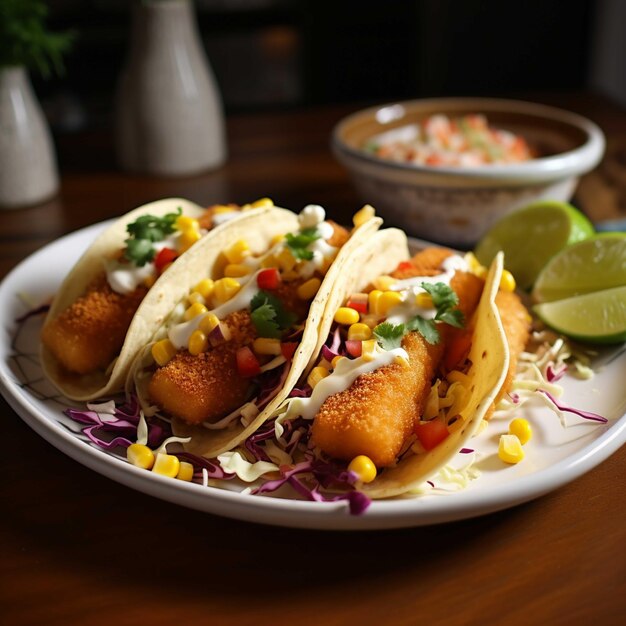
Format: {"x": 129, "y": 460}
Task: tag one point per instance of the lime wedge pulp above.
{"x": 531, "y": 236}
{"x": 598, "y": 317}
{"x": 591, "y": 265}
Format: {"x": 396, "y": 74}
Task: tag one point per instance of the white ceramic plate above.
{"x": 555, "y": 455}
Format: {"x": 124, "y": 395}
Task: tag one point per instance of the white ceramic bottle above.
{"x": 169, "y": 118}
{"x": 28, "y": 169}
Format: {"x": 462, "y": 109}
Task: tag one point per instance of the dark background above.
{"x": 273, "y": 54}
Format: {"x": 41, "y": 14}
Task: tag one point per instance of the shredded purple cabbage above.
{"x": 321, "y": 474}
{"x": 199, "y": 463}
{"x": 553, "y": 375}
{"x": 588, "y": 415}
{"x": 466, "y": 451}
{"x": 301, "y": 392}
{"x": 270, "y": 383}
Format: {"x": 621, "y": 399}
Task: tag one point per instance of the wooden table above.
{"x": 78, "y": 548}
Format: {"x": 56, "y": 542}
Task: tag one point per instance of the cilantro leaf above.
{"x": 153, "y": 228}
{"x": 389, "y": 336}
{"x": 426, "y": 328}
{"x": 454, "y": 318}
{"x": 269, "y": 316}
{"x": 443, "y": 296}
{"x": 298, "y": 244}
{"x": 139, "y": 251}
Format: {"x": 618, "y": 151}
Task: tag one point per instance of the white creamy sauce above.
{"x": 124, "y": 278}
{"x": 410, "y": 287}
{"x": 311, "y": 216}
{"x": 346, "y": 372}
{"x": 179, "y": 334}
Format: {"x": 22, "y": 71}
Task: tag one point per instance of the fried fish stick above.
{"x": 427, "y": 262}
{"x": 206, "y": 386}
{"x": 380, "y": 409}
{"x": 89, "y": 334}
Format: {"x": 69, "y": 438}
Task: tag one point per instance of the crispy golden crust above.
{"x": 90, "y": 333}
{"x": 427, "y": 262}
{"x": 380, "y": 410}
{"x": 207, "y": 386}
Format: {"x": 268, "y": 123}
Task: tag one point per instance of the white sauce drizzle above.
{"x": 346, "y": 372}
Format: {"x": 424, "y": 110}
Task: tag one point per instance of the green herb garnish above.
{"x": 145, "y": 230}
{"x": 298, "y": 244}
{"x": 269, "y": 316}
{"x": 389, "y": 336}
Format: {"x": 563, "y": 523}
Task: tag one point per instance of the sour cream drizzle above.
{"x": 346, "y": 372}
{"x": 410, "y": 287}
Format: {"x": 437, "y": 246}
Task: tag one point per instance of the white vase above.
{"x": 169, "y": 118}
{"x": 28, "y": 169}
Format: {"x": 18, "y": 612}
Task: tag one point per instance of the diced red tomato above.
{"x": 457, "y": 350}
{"x": 288, "y": 349}
{"x": 405, "y": 265}
{"x": 358, "y": 302}
{"x": 163, "y": 257}
{"x": 354, "y": 347}
{"x": 431, "y": 434}
{"x": 268, "y": 278}
{"x": 247, "y": 363}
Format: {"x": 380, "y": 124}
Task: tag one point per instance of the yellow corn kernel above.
{"x": 481, "y": 272}
{"x": 194, "y": 310}
{"x": 269, "y": 261}
{"x": 184, "y": 222}
{"x": 140, "y": 455}
{"x": 384, "y": 283}
{"x": 472, "y": 262}
{"x": 307, "y": 290}
{"x": 166, "y": 465}
{"x": 185, "y": 471}
{"x": 363, "y": 467}
{"x": 372, "y": 301}
{"x": 507, "y": 282}
{"x": 367, "y": 349}
{"x": 163, "y": 351}
{"x": 317, "y": 373}
{"x": 148, "y": 281}
{"x": 188, "y": 238}
{"x": 290, "y": 275}
{"x": 521, "y": 429}
{"x": 195, "y": 297}
{"x": 363, "y": 215}
{"x": 263, "y": 345}
{"x": 336, "y": 360}
{"x": 359, "y": 332}
{"x": 198, "y": 342}
{"x": 346, "y": 316}
{"x": 424, "y": 300}
{"x": 236, "y": 270}
{"x": 262, "y": 202}
{"x": 237, "y": 252}
{"x": 387, "y": 301}
{"x": 510, "y": 449}
{"x": 225, "y": 289}
{"x": 223, "y": 208}
{"x": 205, "y": 287}
{"x": 276, "y": 239}
{"x": 285, "y": 259}
{"x": 208, "y": 323}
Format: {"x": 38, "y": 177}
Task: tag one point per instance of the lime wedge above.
{"x": 591, "y": 265}
{"x": 531, "y": 236}
{"x": 598, "y": 317}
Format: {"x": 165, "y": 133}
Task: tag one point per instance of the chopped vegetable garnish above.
{"x": 298, "y": 244}
{"x": 269, "y": 316}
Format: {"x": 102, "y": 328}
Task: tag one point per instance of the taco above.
{"x": 410, "y": 358}
{"x": 119, "y": 291}
{"x": 240, "y": 338}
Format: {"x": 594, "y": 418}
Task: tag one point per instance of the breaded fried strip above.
{"x": 339, "y": 237}
{"x": 90, "y": 333}
{"x": 207, "y": 386}
{"x": 380, "y": 410}
{"x": 427, "y": 262}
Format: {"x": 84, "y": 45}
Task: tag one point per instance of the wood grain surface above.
{"x": 78, "y": 548}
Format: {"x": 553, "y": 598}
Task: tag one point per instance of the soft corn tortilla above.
{"x": 489, "y": 355}
{"x": 160, "y": 299}
{"x": 210, "y": 443}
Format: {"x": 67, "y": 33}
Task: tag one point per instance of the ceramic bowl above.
{"x": 457, "y": 205}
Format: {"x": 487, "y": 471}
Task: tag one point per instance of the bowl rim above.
{"x": 562, "y": 165}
